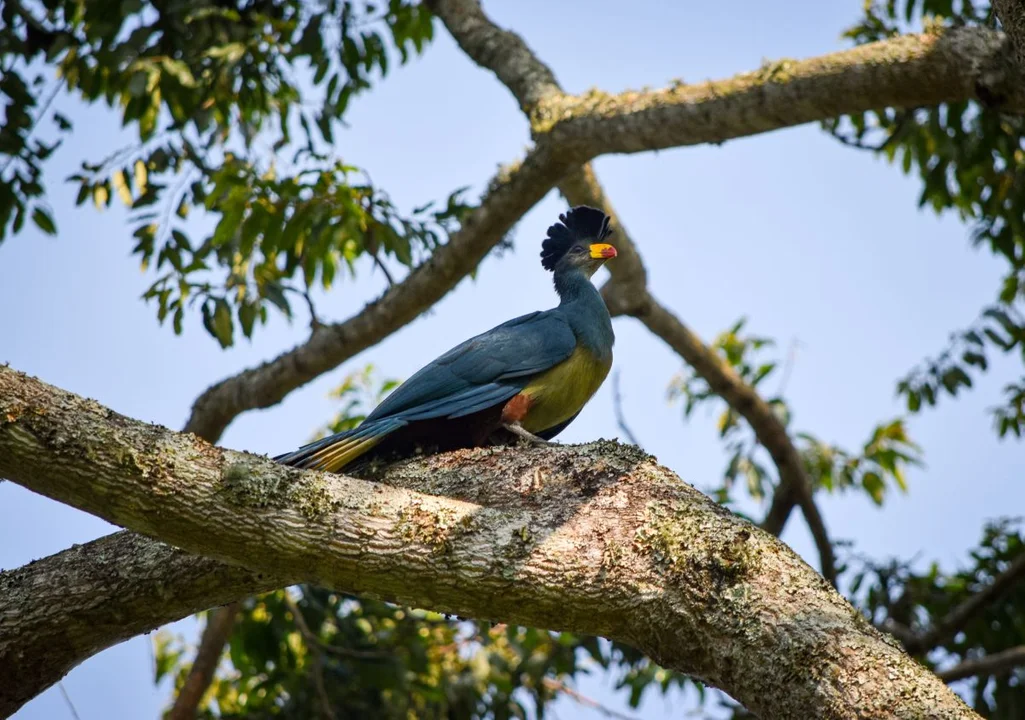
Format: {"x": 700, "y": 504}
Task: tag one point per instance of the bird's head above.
{"x": 578, "y": 242}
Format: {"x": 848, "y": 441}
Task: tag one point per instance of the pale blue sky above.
{"x": 812, "y": 241}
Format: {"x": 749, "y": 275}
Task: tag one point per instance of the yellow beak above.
{"x": 602, "y": 251}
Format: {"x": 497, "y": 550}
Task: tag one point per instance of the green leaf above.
{"x": 874, "y": 486}
{"x": 43, "y": 221}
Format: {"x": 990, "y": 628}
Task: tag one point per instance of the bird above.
{"x": 524, "y": 380}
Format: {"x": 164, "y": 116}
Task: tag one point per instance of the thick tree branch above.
{"x": 502, "y": 51}
{"x": 596, "y": 539}
{"x": 211, "y": 646}
{"x": 530, "y": 80}
{"x": 905, "y": 71}
{"x": 992, "y": 664}
{"x": 56, "y": 612}
{"x": 1012, "y": 17}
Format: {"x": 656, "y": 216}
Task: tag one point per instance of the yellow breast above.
{"x": 560, "y": 393}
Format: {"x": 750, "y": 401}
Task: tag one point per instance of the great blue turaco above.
{"x": 527, "y": 378}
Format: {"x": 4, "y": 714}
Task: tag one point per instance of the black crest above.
{"x": 580, "y": 223}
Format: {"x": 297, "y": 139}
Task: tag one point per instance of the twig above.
{"x": 987, "y": 665}
{"x": 32, "y": 127}
{"x": 312, "y": 639}
{"x": 317, "y": 647}
{"x": 384, "y": 268}
{"x": 559, "y": 686}
{"x": 617, "y": 406}
{"x": 788, "y": 367}
{"x": 208, "y": 657}
{"x": 67, "y": 699}
{"x": 897, "y": 131}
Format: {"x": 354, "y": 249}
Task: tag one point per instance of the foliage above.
{"x": 970, "y": 159}
{"x": 880, "y": 461}
{"x": 235, "y": 108}
{"x": 895, "y": 591}
{"x": 1001, "y": 326}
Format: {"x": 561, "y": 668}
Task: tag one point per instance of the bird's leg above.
{"x": 520, "y": 432}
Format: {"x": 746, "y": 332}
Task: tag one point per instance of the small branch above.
{"x": 617, "y": 407}
{"x": 558, "y": 686}
{"x": 992, "y": 664}
{"x": 211, "y": 646}
{"x": 317, "y": 648}
{"x": 35, "y": 122}
{"x": 67, "y": 701}
{"x": 383, "y": 268}
{"x": 957, "y": 618}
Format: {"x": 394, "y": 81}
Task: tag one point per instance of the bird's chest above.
{"x": 560, "y": 393}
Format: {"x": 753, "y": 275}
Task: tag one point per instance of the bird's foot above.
{"x": 520, "y": 432}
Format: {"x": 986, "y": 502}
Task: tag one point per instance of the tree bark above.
{"x": 596, "y": 539}
{"x": 211, "y": 646}
{"x": 56, "y": 612}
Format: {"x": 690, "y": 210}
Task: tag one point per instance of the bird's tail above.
{"x": 334, "y": 452}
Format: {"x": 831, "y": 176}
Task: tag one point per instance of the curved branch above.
{"x": 992, "y": 664}
{"x": 502, "y": 51}
{"x": 211, "y": 646}
{"x": 955, "y": 621}
{"x": 597, "y": 539}
{"x": 56, "y": 612}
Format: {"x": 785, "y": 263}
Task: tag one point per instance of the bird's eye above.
{"x": 577, "y": 249}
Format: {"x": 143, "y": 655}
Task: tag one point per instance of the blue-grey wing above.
{"x": 483, "y": 371}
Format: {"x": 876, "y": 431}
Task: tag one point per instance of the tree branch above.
{"x": 596, "y": 539}
{"x": 1012, "y": 17}
{"x": 954, "y": 621}
{"x": 508, "y": 56}
{"x": 211, "y": 645}
{"x": 58, "y": 611}
{"x": 992, "y": 664}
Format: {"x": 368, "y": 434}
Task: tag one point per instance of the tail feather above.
{"x": 333, "y": 453}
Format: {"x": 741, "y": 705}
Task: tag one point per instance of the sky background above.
{"x": 813, "y": 242}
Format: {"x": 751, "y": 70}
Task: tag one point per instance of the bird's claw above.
{"x": 524, "y": 434}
